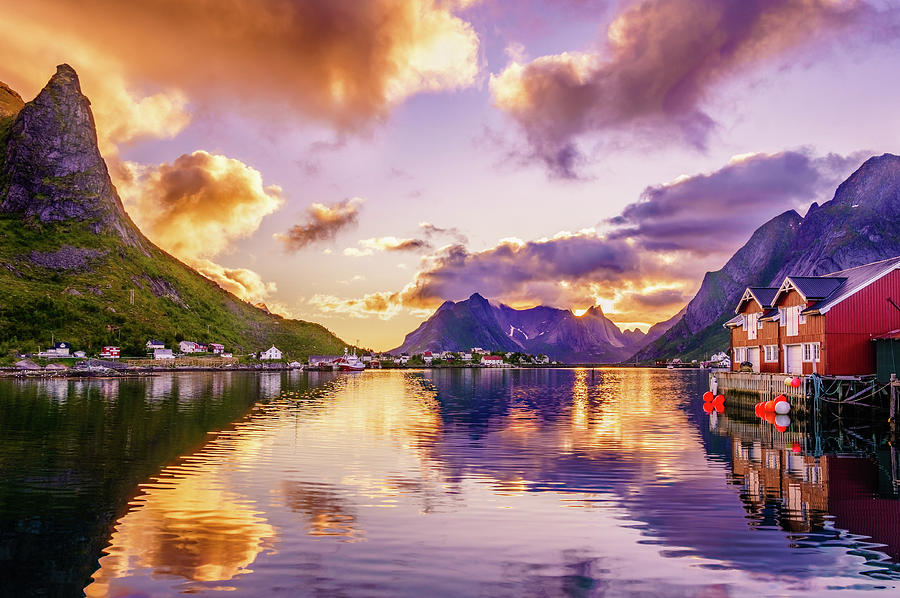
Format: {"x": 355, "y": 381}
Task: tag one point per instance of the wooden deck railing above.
{"x": 768, "y": 386}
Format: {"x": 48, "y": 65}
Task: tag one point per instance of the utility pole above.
{"x": 131, "y": 292}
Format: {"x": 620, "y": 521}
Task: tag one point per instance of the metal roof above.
{"x": 855, "y": 279}
{"x": 735, "y": 321}
{"x": 816, "y": 287}
{"x": 764, "y": 295}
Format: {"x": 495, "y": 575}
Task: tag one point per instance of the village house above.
{"x": 427, "y": 357}
{"x": 216, "y": 348}
{"x": 110, "y": 353}
{"x": 402, "y": 360}
{"x": 821, "y": 324}
{"x": 271, "y": 354}
{"x": 163, "y": 354}
{"x": 57, "y": 351}
{"x": 492, "y": 360}
{"x": 154, "y": 344}
{"x": 465, "y": 356}
{"x": 188, "y": 347}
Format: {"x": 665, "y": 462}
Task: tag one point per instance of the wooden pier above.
{"x": 767, "y": 386}
{"x": 813, "y": 391}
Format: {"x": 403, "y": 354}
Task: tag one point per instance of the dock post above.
{"x": 893, "y": 405}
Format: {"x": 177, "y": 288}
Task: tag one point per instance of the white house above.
{"x": 465, "y": 356}
{"x": 427, "y": 356}
{"x": 58, "y": 350}
{"x": 163, "y": 354}
{"x": 216, "y": 348}
{"x": 478, "y": 351}
{"x": 271, "y": 353}
{"x": 153, "y": 345}
{"x": 492, "y": 360}
{"x": 188, "y": 347}
{"x": 402, "y": 360}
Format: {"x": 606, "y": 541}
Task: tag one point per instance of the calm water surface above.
{"x": 444, "y": 483}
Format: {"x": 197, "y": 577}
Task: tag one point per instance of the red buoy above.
{"x": 719, "y": 407}
{"x": 719, "y": 400}
{"x": 780, "y": 398}
{"x": 770, "y": 406}
{"x": 708, "y": 396}
{"x": 795, "y": 382}
{"x": 708, "y": 407}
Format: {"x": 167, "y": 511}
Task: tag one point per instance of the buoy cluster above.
{"x": 775, "y": 412}
{"x": 713, "y": 402}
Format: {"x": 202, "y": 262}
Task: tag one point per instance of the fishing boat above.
{"x": 349, "y": 362}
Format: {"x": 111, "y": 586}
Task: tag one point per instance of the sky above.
{"x": 357, "y": 163}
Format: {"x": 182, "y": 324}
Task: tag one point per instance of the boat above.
{"x": 349, "y": 362}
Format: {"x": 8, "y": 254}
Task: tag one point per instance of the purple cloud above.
{"x": 662, "y": 59}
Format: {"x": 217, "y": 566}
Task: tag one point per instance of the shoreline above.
{"x": 142, "y": 372}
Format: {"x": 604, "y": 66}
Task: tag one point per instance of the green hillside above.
{"x": 70, "y": 257}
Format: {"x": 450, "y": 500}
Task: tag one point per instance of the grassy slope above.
{"x": 36, "y": 302}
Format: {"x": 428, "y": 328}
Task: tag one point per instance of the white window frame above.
{"x": 740, "y": 354}
{"x": 811, "y": 352}
{"x": 771, "y": 353}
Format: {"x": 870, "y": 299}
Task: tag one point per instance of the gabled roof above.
{"x": 816, "y": 288}
{"x": 763, "y": 295}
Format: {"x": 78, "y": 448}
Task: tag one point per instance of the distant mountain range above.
{"x": 858, "y": 226}
{"x": 72, "y": 263}
{"x": 558, "y": 333}
{"x": 861, "y": 224}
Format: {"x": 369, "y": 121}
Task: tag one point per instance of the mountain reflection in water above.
{"x": 541, "y": 482}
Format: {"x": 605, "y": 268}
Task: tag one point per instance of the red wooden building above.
{"x": 110, "y": 353}
{"x": 818, "y": 324}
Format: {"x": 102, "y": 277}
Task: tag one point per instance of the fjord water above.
{"x": 543, "y": 482}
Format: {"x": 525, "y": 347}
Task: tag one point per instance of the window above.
{"x": 782, "y": 316}
{"x": 751, "y": 320}
{"x": 744, "y": 322}
{"x": 811, "y": 352}
{"x": 792, "y": 317}
{"x": 771, "y": 352}
{"x": 740, "y": 354}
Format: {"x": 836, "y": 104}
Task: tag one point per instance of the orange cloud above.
{"x": 243, "y": 283}
{"x": 343, "y": 61}
{"x": 197, "y": 205}
{"x": 323, "y": 224}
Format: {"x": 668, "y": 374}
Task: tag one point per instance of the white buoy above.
{"x": 782, "y": 407}
{"x": 782, "y": 420}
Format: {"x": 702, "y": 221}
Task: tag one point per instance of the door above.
{"x": 753, "y": 357}
{"x": 793, "y": 359}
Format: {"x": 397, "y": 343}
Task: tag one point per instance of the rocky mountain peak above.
{"x": 874, "y": 186}
{"x": 53, "y": 168}
{"x": 10, "y": 101}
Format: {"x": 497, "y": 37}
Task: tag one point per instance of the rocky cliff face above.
{"x": 52, "y": 170}
{"x": 858, "y": 226}
{"x": 557, "y": 333}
